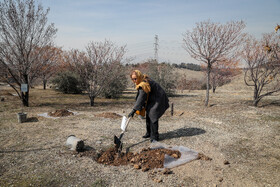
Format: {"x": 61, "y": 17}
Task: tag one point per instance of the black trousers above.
{"x": 152, "y": 128}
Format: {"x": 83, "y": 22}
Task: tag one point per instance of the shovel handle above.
{"x": 126, "y": 124}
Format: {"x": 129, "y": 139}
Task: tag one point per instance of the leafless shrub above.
{"x": 98, "y": 66}
{"x": 263, "y": 66}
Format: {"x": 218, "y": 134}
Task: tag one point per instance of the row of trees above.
{"x": 190, "y": 66}
{"x": 27, "y": 52}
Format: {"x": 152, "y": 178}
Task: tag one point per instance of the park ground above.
{"x": 242, "y": 141}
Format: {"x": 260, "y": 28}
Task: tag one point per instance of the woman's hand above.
{"x": 131, "y": 114}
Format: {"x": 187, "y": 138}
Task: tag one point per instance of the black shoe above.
{"x": 146, "y": 136}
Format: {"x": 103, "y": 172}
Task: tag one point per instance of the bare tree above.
{"x": 98, "y": 66}
{"x": 263, "y": 66}
{"x": 24, "y": 35}
{"x": 51, "y": 62}
{"x": 212, "y": 42}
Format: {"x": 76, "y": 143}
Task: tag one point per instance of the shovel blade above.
{"x": 117, "y": 141}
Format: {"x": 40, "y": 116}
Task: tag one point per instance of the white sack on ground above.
{"x": 187, "y": 154}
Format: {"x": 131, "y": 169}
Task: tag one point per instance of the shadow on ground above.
{"x": 32, "y": 119}
{"x": 270, "y": 103}
{"x": 182, "y": 95}
{"x": 182, "y": 132}
{"x": 127, "y": 149}
{"x": 83, "y": 104}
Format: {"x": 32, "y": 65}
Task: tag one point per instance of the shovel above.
{"x": 117, "y": 141}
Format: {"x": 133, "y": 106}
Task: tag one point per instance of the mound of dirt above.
{"x": 111, "y": 115}
{"x": 60, "y": 113}
{"x": 147, "y": 158}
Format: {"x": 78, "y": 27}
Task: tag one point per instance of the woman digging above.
{"x": 150, "y": 98}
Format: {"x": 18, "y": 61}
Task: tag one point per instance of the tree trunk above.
{"x": 256, "y": 96}
{"x": 25, "y": 95}
{"x": 213, "y": 85}
{"x": 25, "y": 98}
{"x": 91, "y": 100}
{"x": 207, "y": 84}
{"x": 256, "y": 101}
{"x": 214, "y": 89}
{"x": 44, "y": 83}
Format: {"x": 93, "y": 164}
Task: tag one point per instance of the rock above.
{"x": 153, "y": 172}
{"x": 167, "y": 171}
{"x": 201, "y": 156}
{"x": 98, "y": 142}
{"x": 144, "y": 169}
{"x": 2, "y": 99}
{"x": 175, "y": 156}
{"x": 136, "y": 166}
{"x": 158, "y": 180}
{"x": 144, "y": 149}
{"x": 226, "y": 162}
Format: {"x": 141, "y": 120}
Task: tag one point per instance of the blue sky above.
{"x": 135, "y": 23}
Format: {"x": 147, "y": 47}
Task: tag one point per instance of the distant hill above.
{"x": 190, "y": 74}
{"x": 237, "y": 84}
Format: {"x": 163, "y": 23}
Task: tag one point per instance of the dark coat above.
{"x": 157, "y": 101}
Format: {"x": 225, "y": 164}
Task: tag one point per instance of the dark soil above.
{"x": 201, "y": 156}
{"x": 111, "y": 115}
{"x": 60, "y": 113}
{"x": 147, "y": 158}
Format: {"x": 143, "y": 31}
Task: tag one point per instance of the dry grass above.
{"x": 196, "y": 75}
{"x": 33, "y": 153}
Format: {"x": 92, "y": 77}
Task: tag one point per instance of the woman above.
{"x": 151, "y": 97}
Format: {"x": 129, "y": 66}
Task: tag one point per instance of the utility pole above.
{"x": 156, "y": 48}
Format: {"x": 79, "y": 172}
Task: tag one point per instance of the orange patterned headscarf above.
{"x": 142, "y": 80}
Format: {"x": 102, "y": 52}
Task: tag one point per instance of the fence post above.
{"x": 172, "y": 109}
